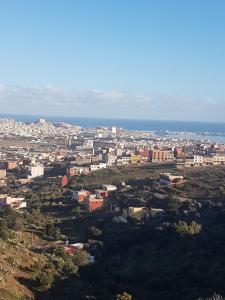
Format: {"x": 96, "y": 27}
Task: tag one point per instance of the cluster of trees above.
{"x": 170, "y": 257}
{"x": 58, "y": 264}
{"x": 52, "y": 231}
{"x": 10, "y": 221}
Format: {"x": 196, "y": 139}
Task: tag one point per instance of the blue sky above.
{"x": 162, "y": 59}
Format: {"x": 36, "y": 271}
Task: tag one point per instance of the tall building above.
{"x": 113, "y": 129}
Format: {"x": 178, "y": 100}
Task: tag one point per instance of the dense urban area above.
{"x": 107, "y": 213}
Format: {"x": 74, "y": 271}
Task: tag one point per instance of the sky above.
{"x": 142, "y": 59}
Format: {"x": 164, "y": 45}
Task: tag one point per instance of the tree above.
{"x": 184, "y": 229}
{"x": 52, "y": 231}
{"x": 76, "y": 211}
{"x": 69, "y": 267}
{"x": 94, "y": 232}
{"x": 19, "y": 224}
{"x": 44, "y": 279}
{"x": 80, "y": 258}
{"x": 6, "y": 234}
{"x": 173, "y": 203}
{"x": 124, "y": 296}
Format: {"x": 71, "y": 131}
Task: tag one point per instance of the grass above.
{"x": 124, "y": 173}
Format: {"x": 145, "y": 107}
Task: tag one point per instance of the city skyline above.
{"x": 125, "y": 59}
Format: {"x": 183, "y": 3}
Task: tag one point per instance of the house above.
{"x": 60, "y": 180}
{"x": 70, "y": 249}
{"x": 77, "y": 170}
{"x": 23, "y": 181}
{"x": 74, "y": 248}
{"x": 93, "y": 202}
{"x": 140, "y": 213}
{"x": 13, "y": 202}
{"x": 123, "y": 160}
{"x": 71, "y": 171}
{"x": 168, "y": 178}
{"x": 157, "y": 212}
{"x": 157, "y": 155}
{"x": 10, "y": 165}
{"x": 35, "y": 171}
{"x": 109, "y": 187}
{"x": 2, "y": 173}
{"x": 136, "y": 210}
{"x": 109, "y": 159}
{"x": 101, "y": 193}
{"x": 96, "y": 167}
{"x": 135, "y": 158}
{"x": 79, "y": 246}
{"x": 81, "y": 195}
{"x": 144, "y": 154}
{"x": 3, "y": 182}
{"x": 64, "y": 181}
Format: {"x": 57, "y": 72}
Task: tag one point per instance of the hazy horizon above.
{"x": 40, "y": 116}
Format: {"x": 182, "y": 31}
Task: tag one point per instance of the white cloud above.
{"x": 114, "y": 95}
{"x": 106, "y": 103}
{"x": 2, "y": 87}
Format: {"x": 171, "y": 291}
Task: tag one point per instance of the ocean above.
{"x": 202, "y": 130}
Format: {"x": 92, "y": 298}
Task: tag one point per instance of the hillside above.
{"x": 17, "y": 258}
{"x": 176, "y": 254}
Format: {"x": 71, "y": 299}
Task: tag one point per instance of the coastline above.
{"x": 131, "y": 124}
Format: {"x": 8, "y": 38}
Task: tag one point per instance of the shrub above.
{"x": 80, "y": 258}
{"x": 124, "y": 296}
{"x": 94, "y": 232}
{"x": 6, "y": 234}
{"x": 53, "y": 231}
{"x": 44, "y": 279}
{"x": 184, "y": 229}
{"x": 214, "y": 297}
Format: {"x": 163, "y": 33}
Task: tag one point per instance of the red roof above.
{"x": 70, "y": 250}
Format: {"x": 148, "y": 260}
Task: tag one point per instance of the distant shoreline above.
{"x": 131, "y": 124}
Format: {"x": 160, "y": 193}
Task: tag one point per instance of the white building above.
{"x": 110, "y": 159}
{"x": 41, "y": 121}
{"x": 13, "y": 202}
{"x": 36, "y": 171}
{"x": 113, "y": 129}
{"x": 123, "y": 160}
{"x": 2, "y": 173}
{"x": 198, "y": 159}
{"x": 97, "y": 167}
{"x": 109, "y": 187}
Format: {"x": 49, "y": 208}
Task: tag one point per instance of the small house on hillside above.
{"x": 168, "y": 178}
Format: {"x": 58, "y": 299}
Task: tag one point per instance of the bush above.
{"x": 80, "y": 258}
{"x": 214, "y": 297}
{"x": 12, "y": 261}
{"x": 11, "y": 218}
{"x": 60, "y": 252}
{"x": 44, "y": 279}
{"x": 124, "y": 296}
{"x": 53, "y": 231}
{"x": 6, "y": 234}
{"x": 184, "y": 229}
{"x": 94, "y": 232}
{"x": 69, "y": 267}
